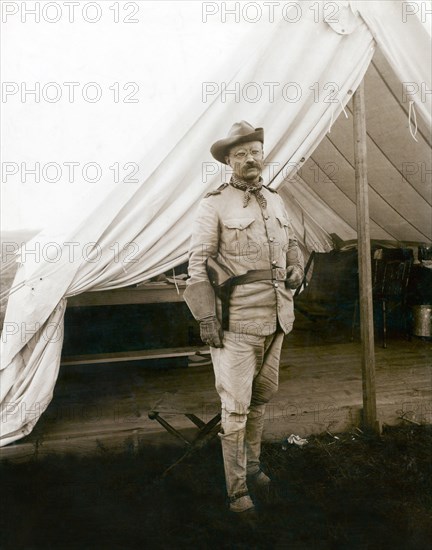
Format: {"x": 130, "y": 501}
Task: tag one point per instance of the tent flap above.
{"x": 138, "y": 230}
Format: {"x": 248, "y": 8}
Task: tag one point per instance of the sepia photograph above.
{"x": 216, "y": 275}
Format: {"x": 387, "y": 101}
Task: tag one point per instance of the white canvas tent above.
{"x": 399, "y": 185}
{"x": 309, "y": 150}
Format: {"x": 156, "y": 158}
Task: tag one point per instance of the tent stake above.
{"x": 364, "y": 258}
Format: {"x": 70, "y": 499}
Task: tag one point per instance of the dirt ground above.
{"x": 353, "y": 491}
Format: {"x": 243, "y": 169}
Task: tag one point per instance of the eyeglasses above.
{"x": 240, "y": 155}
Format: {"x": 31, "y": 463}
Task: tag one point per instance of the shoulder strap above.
{"x": 217, "y": 191}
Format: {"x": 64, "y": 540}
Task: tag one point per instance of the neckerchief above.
{"x": 249, "y": 190}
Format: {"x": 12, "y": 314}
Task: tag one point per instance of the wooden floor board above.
{"x": 104, "y": 408}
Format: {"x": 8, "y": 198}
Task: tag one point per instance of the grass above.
{"x": 347, "y": 493}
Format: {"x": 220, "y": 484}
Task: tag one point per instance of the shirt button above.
{"x": 274, "y": 262}
{"x": 271, "y": 239}
{"x": 266, "y": 217}
{"x": 276, "y": 285}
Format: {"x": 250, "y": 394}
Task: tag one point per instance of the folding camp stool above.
{"x": 180, "y": 404}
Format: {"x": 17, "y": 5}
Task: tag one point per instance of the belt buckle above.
{"x": 279, "y": 274}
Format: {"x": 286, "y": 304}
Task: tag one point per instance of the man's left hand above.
{"x": 294, "y": 277}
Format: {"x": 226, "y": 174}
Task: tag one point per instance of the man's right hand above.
{"x": 211, "y": 332}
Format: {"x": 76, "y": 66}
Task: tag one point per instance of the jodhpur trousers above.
{"x": 246, "y": 374}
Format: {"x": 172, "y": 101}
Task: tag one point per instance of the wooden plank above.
{"x": 365, "y": 268}
{"x": 184, "y": 402}
{"x": 124, "y": 356}
{"x": 152, "y": 293}
{"x": 91, "y": 415}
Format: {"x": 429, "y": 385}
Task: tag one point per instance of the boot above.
{"x": 242, "y": 504}
{"x": 254, "y": 430}
{"x": 234, "y": 457}
{"x": 257, "y": 480}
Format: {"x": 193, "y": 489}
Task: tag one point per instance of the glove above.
{"x": 211, "y": 332}
{"x": 294, "y": 277}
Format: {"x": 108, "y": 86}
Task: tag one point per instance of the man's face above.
{"x": 246, "y": 160}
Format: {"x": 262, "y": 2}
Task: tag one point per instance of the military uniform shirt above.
{"x": 242, "y": 239}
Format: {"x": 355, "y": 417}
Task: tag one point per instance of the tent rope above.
{"x": 304, "y": 229}
{"x": 412, "y": 112}
{"x": 175, "y": 281}
{"x": 5, "y": 295}
{"x": 332, "y": 114}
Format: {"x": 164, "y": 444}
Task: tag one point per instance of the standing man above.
{"x": 245, "y": 230}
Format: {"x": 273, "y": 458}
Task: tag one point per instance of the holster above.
{"x": 221, "y": 280}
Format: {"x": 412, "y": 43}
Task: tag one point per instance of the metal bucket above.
{"x": 422, "y": 321}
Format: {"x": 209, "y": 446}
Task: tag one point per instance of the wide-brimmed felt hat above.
{"x": 241, "y": 132}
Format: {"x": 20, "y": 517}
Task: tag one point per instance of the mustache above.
{"x": 252, "y": 164}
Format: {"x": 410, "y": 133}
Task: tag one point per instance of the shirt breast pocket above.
{"x": 237, "y": 232}
{"x": 285, "y": 227}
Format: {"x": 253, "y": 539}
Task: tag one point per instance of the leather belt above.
{"x": 252, "y": 276}
{"x": 274, "y": 274}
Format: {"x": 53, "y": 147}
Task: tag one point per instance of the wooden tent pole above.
{"x": 364, "y": 259}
